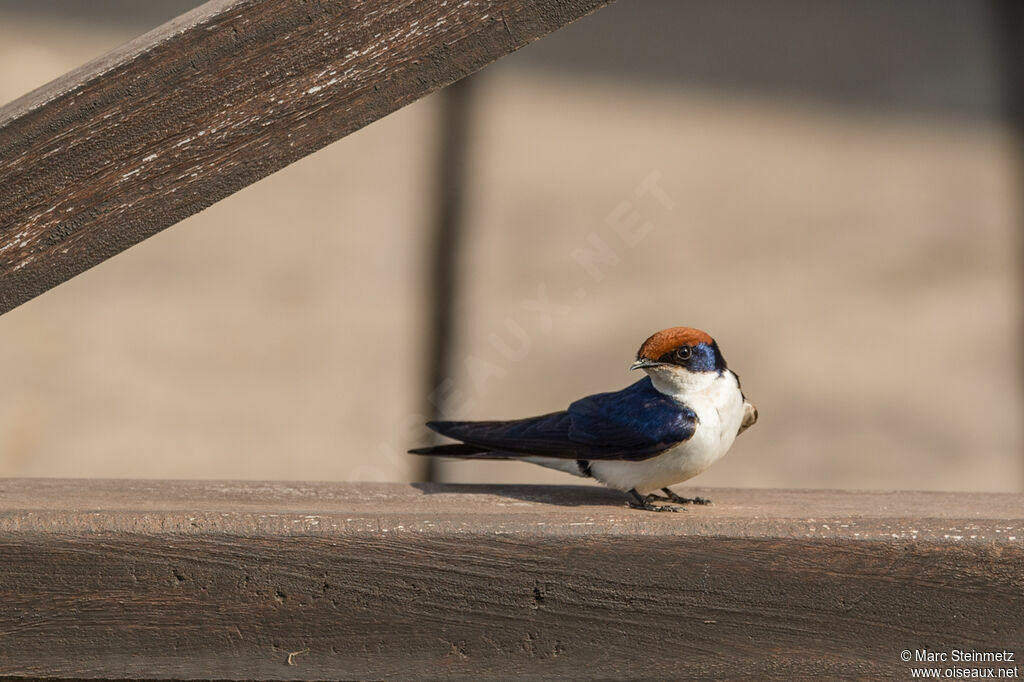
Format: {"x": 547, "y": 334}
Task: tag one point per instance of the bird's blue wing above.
{"x": 635, "y": 423}
{"x": 544, "y": 435}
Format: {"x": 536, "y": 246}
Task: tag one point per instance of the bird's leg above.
{"x": 644, "y": 502}
{"x": 670, "y": 496}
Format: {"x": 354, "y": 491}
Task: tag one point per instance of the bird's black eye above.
{"x": 683, "y": 353}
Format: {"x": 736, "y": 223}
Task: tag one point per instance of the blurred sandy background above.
{"x": 829, "y": 189}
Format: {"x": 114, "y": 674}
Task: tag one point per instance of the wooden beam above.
{"x": 214, "y": 100}
{"x": 126, "y": 579}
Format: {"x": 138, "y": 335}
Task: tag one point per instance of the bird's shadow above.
{"x": 559, "y": 495}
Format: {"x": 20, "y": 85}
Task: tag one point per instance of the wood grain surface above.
{"x": 214, "y": 100}
{"x": 241, "y": 580}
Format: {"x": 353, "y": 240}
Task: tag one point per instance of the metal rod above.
{"x": 447, "y": 233}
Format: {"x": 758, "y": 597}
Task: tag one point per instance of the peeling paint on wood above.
{"x": 235, "y": 580}
{"x": 215, "y": 100}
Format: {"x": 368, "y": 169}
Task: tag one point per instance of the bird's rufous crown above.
{"x": 669, "y": 339}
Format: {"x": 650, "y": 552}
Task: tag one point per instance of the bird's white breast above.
{"x": 718, "y": 403}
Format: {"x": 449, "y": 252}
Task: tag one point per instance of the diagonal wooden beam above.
{"x": 214, "y": 100}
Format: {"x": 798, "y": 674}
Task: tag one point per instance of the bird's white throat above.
{"x": 677, "y": 381}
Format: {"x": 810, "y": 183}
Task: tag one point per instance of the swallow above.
{"x": 662, "y": 430}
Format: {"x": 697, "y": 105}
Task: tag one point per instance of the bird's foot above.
{"x": 645, "y": 502}
{"x": 670, "y": 496}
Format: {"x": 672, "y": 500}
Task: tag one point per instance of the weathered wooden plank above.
{"x": 215, "y": 100}
{"x": 234, "y": 580}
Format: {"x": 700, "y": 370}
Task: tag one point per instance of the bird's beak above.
{"x": 643, "y": 363}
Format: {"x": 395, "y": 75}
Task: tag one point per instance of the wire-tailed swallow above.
{"x": 664, "y": 429}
